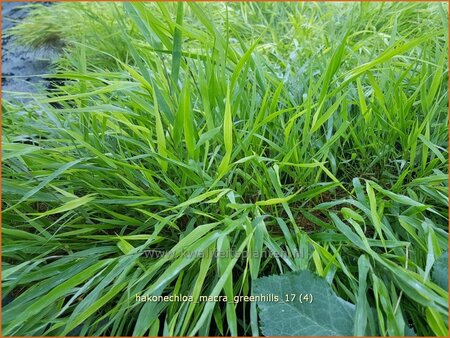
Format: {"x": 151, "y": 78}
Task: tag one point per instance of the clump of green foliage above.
{"x": 316, "y": 132}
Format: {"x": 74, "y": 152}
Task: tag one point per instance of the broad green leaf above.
{"x": 440, "y": 271}
{"x": 325, "y": 315}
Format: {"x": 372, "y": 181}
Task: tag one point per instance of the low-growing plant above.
{"x": 299, "y": 136}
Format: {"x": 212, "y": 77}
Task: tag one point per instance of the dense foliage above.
{"x": 314, "y": 134}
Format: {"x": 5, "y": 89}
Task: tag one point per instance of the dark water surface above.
{"x": 21, "y": 66}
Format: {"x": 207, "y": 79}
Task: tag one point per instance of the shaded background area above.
{"x": 21, "y": 67}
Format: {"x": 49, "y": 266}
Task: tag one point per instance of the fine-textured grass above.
{"x": 311, "y": 129}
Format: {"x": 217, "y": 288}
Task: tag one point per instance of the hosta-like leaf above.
{"x": 440, "y": 271}
{"x": 325, "y": 315}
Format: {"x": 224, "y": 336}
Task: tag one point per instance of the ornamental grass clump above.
{"x": 203, "y": 149}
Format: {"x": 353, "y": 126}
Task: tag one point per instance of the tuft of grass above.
{"x": 312, "y": 134}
